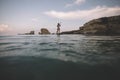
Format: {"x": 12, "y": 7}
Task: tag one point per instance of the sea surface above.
{"x": 59, "y": 57}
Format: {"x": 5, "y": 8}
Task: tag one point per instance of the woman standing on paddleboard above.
{"x": 58, "y": 28}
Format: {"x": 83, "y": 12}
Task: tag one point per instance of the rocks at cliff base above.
{"x": 44, "y": 31}
{"x": 71, "y": 32}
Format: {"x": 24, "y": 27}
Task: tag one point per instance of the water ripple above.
{"x": 88, "y": 49}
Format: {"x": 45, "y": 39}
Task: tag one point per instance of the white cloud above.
{"x": 4, "y": 28}
{"x": 76, "y": 2}
{"x": 97, "y": 12}
{"x": 79, "y": 1}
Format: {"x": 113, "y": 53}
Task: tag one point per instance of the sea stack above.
{"x": 44, "y": 31}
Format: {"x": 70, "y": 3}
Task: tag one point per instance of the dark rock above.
{"x": 102, "y": 26}
{"x": 71, "y": 32}
{"x": 31, "y": 33}
{"x": 44, "y": 31}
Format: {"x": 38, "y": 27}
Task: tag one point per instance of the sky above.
{"x": 22, "y": 16}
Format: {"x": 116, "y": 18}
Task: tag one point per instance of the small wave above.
{"x": 73, "y": 53}
{"x": 66, "y": 43}
{"x": 26, "y": 43}
{"x": 44, "y": 43}
{"x": 70, "y": 51}
{"x": 4, "y": 43}
{"x": 11, "y": 49}
{"x": 52, "y": 49}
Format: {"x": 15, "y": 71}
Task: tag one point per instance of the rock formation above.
{"x": 71, "y": 32}
{"x": 30, "y": 33}
{"x": 44, "y": 31}
{"x": 101, "y": 26}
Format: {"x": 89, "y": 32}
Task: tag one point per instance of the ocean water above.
{"x": 62, "y": 57}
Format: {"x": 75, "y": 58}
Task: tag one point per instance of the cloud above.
{"x": 97, "y": 12}
{"x": 79, "y": 1}
{"x": 4, "y": 28}
{"x": 35, "y": 19}
{"x": 76, "y": 2}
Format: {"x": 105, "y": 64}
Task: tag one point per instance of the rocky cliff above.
{"x": 102, "y": 26}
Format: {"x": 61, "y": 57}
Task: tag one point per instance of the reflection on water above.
{"x": 58, "y": 44}
{"x": 59, "y": 57}
{"x": 58, "y": 39}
